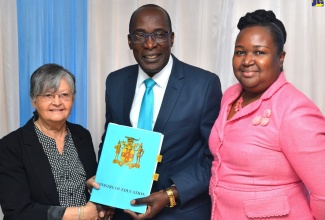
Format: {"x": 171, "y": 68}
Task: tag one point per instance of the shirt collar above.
{"x": 161, "y": 78}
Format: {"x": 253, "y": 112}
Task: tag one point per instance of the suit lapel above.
{"x": 40, "y": 163}
{"x": 129, "y": 91}
{"x": 174, "y": 87}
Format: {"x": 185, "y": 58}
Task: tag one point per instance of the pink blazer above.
{"x": 269, "y": 158}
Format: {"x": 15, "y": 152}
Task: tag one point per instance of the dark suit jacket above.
{"x": 189, "y": 109}
{"x": 27, "y": 186}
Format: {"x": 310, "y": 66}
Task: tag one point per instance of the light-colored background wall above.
{"x": 205, "y": 33}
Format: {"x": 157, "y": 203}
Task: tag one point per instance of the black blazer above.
{"x": 27, "y": 186}
{"x": 189, "y": 109}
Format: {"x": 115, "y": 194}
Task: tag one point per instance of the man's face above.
{"x": 150, "y": 55}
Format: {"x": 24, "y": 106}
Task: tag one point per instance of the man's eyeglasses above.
{"x": 158, "y": 37}
{"x": 65, "y": 96}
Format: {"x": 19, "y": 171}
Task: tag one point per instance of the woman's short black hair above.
{"x": 267, "y": 19}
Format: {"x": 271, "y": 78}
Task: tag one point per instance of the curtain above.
{"x": 205, "y": 33}
{"x": 9, "y": 81}
{"x": 89, "y": 38}
{"x": 53, "y": 31}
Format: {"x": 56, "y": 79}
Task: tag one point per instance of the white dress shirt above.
{"x": 161, "y": 79}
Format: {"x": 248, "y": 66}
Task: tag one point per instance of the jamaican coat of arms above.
{"x": 128, "y": 152}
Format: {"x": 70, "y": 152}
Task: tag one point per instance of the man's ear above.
{"x": 172, "y": 35}
{"x": 130, "y": 42}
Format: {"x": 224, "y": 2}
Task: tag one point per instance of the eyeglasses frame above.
{"x": 151, "y": 35}
{"x": 46, "y": 96}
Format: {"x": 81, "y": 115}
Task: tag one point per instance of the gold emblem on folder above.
{"x": 128, "y": 152}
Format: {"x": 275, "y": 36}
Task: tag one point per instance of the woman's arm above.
{"x": 302, "y": 136}
{"x": 16, "y": 198}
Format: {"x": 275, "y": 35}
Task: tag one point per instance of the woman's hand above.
{"x": 91, "y": 183}
{"x": 104, "y": 212}
{"x": 92, "y": 212}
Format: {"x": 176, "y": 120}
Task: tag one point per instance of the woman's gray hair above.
{"x": 47, "y": 78}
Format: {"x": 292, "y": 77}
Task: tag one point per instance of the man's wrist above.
{"x": 175, "y": 192}
{"x": 172, "y": 200}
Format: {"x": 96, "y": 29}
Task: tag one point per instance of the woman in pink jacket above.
{"x": 268, "y": 142}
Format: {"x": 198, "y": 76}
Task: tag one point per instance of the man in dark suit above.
{"x": 186, "y": 104}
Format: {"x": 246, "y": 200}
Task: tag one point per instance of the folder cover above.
{"x": 127, "y": 166}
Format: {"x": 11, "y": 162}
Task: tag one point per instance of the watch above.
{"x": 172, "y": 202}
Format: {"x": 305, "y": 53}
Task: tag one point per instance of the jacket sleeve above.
{"x": 193, "y": 181}
{"x": 15, "y": 196}
{"x": 302, "y": 137}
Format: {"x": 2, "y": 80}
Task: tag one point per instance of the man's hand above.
{"x": 155, "y": 203}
